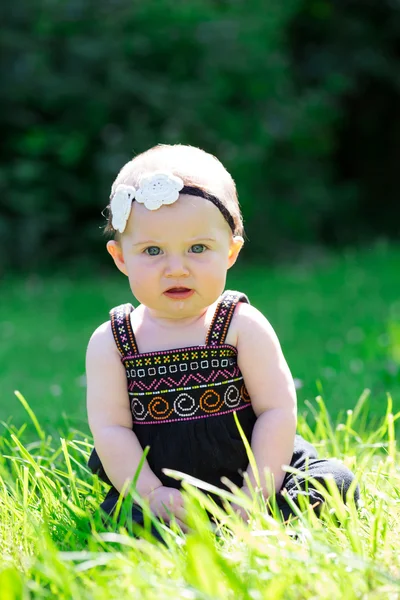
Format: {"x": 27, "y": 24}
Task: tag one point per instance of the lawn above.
{"x": 339, "y": 324}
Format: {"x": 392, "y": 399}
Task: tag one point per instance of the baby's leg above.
{"x": 306, "y": 460}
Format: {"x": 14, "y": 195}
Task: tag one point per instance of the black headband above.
{"x": 191, "y": 190}
{"x": 195, "y": 191}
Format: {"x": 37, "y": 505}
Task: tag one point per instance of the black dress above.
{"x": 183, "y": 403}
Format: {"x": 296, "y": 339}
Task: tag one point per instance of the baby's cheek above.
{"x": 138, "y": 280}
{"x": 214, "y": 280}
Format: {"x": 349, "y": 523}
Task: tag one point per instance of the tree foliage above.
{"x": 297, "y": 99}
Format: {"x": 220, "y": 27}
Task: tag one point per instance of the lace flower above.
{"x": 158, "y": 189}
{"x": 121, "y": 204}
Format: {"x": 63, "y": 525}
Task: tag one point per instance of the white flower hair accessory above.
{"x": 157, "y": 189}
{"x": 121, "y": 204}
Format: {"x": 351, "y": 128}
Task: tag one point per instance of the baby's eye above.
{"x": 198, "y": 248}
{"x": 153, "y": 250}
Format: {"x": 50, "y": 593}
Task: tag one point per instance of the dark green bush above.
{"x": 274, "y": 89}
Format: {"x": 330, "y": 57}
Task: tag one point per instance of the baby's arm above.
{"x": 272, "y": 392}
{"x": 110, "y": 418}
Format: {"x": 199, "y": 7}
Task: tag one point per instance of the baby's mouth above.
{"x": 179, "y": 292}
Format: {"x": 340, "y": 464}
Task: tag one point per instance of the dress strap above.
{"x": 122, "y": 329}
{"x": 222, "y": 317}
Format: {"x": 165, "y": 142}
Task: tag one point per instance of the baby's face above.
{"x": 176, "y": 257}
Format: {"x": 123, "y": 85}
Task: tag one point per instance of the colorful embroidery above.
{"x": 152, "y": 359}
{"x": 232, "y": 396}
{"x": 222, "y": 317}
{"x": 138, "y": 410}
{"x": 183, "y": 383}
{"x": 245, "y": 394}
{"x": 211, "y": 401}
{"x": 222, "y": 412}
{"x": 167, "y": 399}
{"x": 159, "y": 408}
{"x": 157, "y": 384}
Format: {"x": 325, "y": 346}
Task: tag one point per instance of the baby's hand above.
{"x": 165, "y": 500}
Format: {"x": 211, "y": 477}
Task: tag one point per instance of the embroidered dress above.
{"x": 183, "y": 401}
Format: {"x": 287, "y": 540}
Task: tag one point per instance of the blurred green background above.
{"x": 299, "y": 100}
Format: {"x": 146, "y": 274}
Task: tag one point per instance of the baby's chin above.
{"x": 177, "y": 309}
{"x": 182, "y": 305}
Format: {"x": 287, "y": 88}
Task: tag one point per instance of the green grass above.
{"x": 54, "y": 545}
{"x": 339, "y": 324}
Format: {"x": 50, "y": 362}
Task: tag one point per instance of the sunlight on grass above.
{"x": 54, "y": 543}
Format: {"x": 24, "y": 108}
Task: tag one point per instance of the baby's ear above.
{"x": 114, "y": 248}
{"x": 235, "y": 247}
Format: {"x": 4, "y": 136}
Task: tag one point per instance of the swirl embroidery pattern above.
{"x": 203, "y": 389}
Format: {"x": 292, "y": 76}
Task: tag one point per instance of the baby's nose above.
{"x": 176, "y": 267}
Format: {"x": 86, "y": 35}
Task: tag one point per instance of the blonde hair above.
{"x": 194, "y": 166}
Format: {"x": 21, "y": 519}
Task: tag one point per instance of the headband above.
{"x": 154, "y": 191}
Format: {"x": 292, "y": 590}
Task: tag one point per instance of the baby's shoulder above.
{"x": 101, "y": 341}
{"x": 246, "y": 315}
{"x": 248, "y": 323}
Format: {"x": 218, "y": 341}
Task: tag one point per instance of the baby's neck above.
{"x": 155, "y": 332}
{"x": 172, "y": 322}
